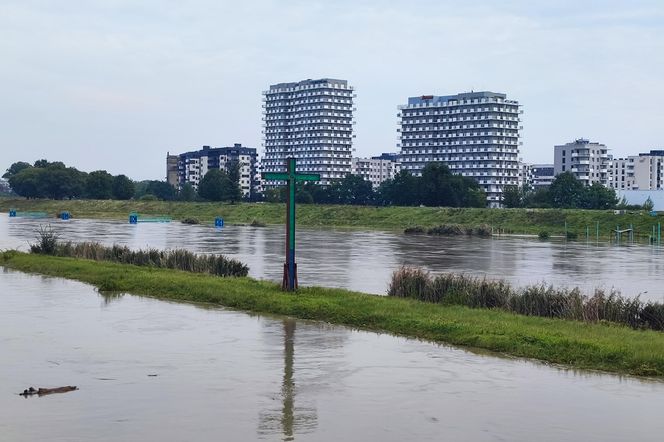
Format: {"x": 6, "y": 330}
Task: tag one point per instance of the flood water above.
{"x": 150, "y": 370}
{"x": 364, "y": 261}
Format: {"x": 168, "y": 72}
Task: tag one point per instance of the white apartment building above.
{"x": 638, "y": 172}
{"x": 375, "y": 169}
{"x": 542, "y": 175}
{"x": 191, "y": 167}
{"x": 475, "y": 134}
{"x": 312, "y": 121}
{"x": 587, "y": 161}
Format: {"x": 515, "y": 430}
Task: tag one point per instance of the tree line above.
{"x": 437, "y": 186}
{"x": 566, "y": 191}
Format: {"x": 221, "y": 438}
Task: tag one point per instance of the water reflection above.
{"x": 289, "y": 419}
{"x": 364, "y": 261}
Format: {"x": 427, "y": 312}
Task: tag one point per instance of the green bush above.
{"x": 543, "y": 235}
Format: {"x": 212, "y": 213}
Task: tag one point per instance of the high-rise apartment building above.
{"x": 587, "y": 161}
{"x": 475, "y": 134}
{"x": 312, "y": 121}
{"x": 192, "y": 166}
{"x": 376, "y": 169}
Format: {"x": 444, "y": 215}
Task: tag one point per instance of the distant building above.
{"x": 638, "y": 172}
{"x": 376, "y": 169}
{"x": 525, "y": 177}
{"x": 192, "y": 166}
{"x": 475, "y": 134}
{"x": 587, "y": 161}
{"x": 311, "y": 120}
{"x": 541, "y": 175}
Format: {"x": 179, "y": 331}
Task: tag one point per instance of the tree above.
{"x": 400, "y": 191}
{"x": 161, "y": 189}
{"x": 16, "y": 168}
{"x": 216, "y": 185}
{"x": 26, "y": 182}
{"x": 123, "y": 188}
{"x": 187, "y": 193}
{"x": 566, "y": 191}
{"x": 648, "y": 205}
{"x": 99, "y": 185}
{"x": 352, "y": 189}
{"x": 512, "y": 197}
{"x": 598, "y": 197}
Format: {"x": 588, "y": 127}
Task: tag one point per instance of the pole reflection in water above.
{"x": 289, "y": 419}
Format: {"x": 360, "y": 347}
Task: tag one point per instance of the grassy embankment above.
{"x": 516, "y": 221}
{"x": 574, "y": 344}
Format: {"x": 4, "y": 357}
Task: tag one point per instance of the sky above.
{"x": 115, "y": 84}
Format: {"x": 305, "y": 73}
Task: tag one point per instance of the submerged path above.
{"x": 579, "y": 345}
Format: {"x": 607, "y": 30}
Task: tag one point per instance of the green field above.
{"x": 511, "y": 221}
{"x": 573, "y": 344}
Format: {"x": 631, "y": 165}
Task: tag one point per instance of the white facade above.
{"x": 638, "y": 172}
{"x": 312, "y": 121}
{"x": 375, "y": 170}
{"x": 588, "y": 162}
{"x": 475, "y": 134}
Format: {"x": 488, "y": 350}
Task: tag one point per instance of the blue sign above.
{"x": 219, "y": 222}
{"x": 133, "y": 218}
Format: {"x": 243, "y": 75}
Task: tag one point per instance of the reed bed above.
{"x": 534, "y": 300}
{"x": 450, "y": 230}
{"x": 178, "y": 259}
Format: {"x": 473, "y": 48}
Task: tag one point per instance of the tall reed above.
{"x": 533, "y": 300}
{"x": 178, "y": 259}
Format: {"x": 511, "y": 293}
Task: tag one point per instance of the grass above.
{"x": 571, "y": 343}
{"x": 514, "y": 221}
{"x": 533, "y": 300}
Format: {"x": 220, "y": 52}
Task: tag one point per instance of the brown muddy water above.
{"x": 149, "y": 370}
{"x": 364, "y": 261}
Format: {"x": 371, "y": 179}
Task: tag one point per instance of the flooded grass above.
{"x": 601, "y": 346}
{"x": 516, "y": 221}
{"x": 534, "y": 300}
{"x": 178, "y": 259}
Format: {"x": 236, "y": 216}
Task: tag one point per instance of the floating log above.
{"x": 44, "y": 391}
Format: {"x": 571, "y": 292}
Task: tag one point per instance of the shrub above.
{"x": 572, "y": 236}
{"x": 191, "y": 221}
{"x": 543, "y": 235}
{"x": 256, "y": 223}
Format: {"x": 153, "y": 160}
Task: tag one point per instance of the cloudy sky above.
{"x": 115, "y": 84}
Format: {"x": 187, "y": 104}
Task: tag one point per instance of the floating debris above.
{"x": 44, "y": 391}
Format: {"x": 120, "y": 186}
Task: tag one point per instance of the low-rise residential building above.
{"x": 542, "y": 175}
{"x": 192, "y": 166}
{"x": 638, "y": 172}
{"x": 376, "y": 169}
{"x": 587, "y": 161}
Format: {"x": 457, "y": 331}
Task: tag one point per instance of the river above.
{"x": 365, "y": 260}
{"x": 155, "y": 370}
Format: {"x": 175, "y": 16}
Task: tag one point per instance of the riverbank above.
{"x": 509, "y": 221}
{"x": 573, "y": 344}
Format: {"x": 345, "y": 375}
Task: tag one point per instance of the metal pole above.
{"x": 597, "y": 232}
{"x": 659, "y": 234}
